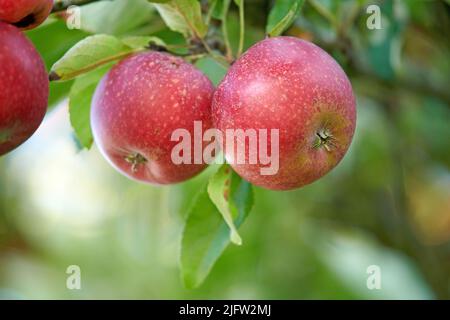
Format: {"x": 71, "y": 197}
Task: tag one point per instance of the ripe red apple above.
{"x": 292, "y": 85}
{"x": 25, "y": 14}
{"x": 136, "y": 108}
{"x": 23, "y": 88}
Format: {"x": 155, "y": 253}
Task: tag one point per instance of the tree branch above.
{"x": 241, "y": 29}
{"x": 62, "y": 5}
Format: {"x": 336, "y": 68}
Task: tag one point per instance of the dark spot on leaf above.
{"x": 226, "y": 193}
{"x": 53, "y": 76}
{"x": 156, "y": 47}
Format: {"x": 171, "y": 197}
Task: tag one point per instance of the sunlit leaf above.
{"x": 87, "y": 55}
{"x": 219, "y": 190}
{"x": 116, "y": 17}
{"x": 52, "y": 48}
{"x": 206, "y": 234}
{"x": 184, "y": 16}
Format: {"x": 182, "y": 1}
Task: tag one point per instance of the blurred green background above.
{"x": 386, "y": 204}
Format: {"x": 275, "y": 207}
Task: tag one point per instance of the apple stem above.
{"x": 63, "y": 5}
{"x": 135, "y": 159}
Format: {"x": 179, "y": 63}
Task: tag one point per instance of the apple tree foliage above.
{"x": 198, "y": 31}
{"x": 211, "y": 34}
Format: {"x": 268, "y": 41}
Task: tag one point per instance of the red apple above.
{"x": 25, "y": 14}
{"x": 23, "y": 88}
{"x": 136, "y": 108}
{"x": 292, "y": 85}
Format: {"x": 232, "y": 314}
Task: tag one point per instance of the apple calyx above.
{"x": 135, "y": 159}
{"x": 324, "y": 139}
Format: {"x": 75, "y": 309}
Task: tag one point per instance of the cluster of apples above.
{"x": 24, "y": 85}
{"x": 280, "y": 83}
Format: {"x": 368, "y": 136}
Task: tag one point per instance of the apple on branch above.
{"x": 292, "y": 85}
{"x": 139, "y": 104}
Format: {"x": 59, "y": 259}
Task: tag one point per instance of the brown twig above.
{"x": 62, "y": 5}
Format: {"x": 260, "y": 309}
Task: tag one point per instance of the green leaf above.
{"x": 184, "y": 16}
{"x": 137, "y": 42}
{"x": 62, "y": 39}
{"x": 80, "y": 104}
{"x": 211, "y": 7}
{"x": 116, "y": 17}
{"x": 58, "y": 92}
{"x": 219, "y": 190}
{"x": 282, "y": 16}
{"x": 221, "y": 9}
{"x": 212, "y": 69}
{"x": 52, "y": 48}
{"x": 89, "y": 54}
{"x": 206, "y": 234}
